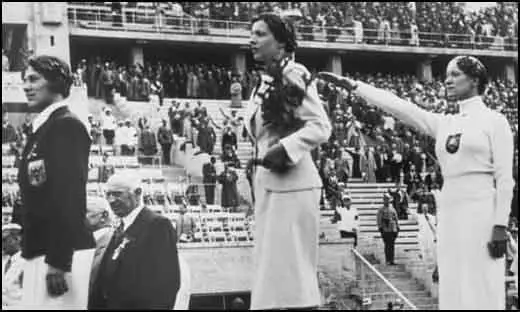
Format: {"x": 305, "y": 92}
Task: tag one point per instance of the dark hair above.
{"x": 55, "y": 71}
{"x": 473, "y": 68}
{"x": 282, "y": 29}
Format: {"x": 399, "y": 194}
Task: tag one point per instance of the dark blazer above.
{"x": 52, "y": 176}
{"x": 146, "y": 273}
{"x": 209, "y": 173}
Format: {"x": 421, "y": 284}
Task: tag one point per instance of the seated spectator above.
{"x": 98, "y": 217}
{"x": 12, "y": 265}
{"x": 185, "y": 225}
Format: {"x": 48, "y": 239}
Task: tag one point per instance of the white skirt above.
{"x": 469, "y": 279}
{"x": 35, "y": 295}
{"x": 286, "y": 249}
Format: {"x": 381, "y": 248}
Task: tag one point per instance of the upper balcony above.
{"x": 144, "y": 24}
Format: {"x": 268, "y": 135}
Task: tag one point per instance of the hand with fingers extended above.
{"x": 498, "y": 244}
{"x": 337, "y": 80}
{"x": 56, "y": 283}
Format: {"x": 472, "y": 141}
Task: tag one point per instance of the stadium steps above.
{"x": 404, "y": 282}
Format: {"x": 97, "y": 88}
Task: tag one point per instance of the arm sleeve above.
{"x": 502, "y": 151}
{"x": 407, "y": 112}
{"x": 164, "y": 278}
{"x": 317, "y": 128}
{"x": 67, "y": 163}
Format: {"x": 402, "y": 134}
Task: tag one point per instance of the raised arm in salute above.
{"x": 475, "y": 152}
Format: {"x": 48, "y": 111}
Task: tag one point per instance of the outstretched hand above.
{"x": 338, "y": 80}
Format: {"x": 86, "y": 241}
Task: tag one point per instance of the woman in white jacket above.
{"x": 475, "y": 152}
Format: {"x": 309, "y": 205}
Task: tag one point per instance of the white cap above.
{"x": 11, "y": 226}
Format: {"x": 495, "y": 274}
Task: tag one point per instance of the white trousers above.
{"x": 34, "y": 292}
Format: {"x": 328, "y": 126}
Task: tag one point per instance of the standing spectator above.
{"x": 12, "y": 265}
{"x": 176, "y": 119}
{"x": 109, "y": 126}
{"x": 5, "y": 62}
{"x": 8, "y": 131}
{"x": 348, "y": 224}
{"x": 165, "y": 136}
{"x": 388, "y": 225}
{"x": 228, "y": 178}
{"x": 108, "y": 80}
{"x": 130, "y": 139}
{"x": 95, "y": 129}
{"x": 206, "y": 138}
{"x": 105, "y": 170}
{"x": 120, "y": 139}
{"x": 229, "y": 138}
{"x": 157, "y": 88}
{"x": 148, "y": 144}
{"x": 229, "y": 156}
{"x": 53, "y": 180}
{"x": 371, "y": 165}
{"x": 209, "y": 178}
{"x": 399, "y": 201}
{"x": 139, "y": 268}
{"x": 236, "y": 92}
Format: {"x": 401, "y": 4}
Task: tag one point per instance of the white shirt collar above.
{"x": 130, "y": 218}
{"x": 473, "y": 103}
{"x": 46, "y": 113}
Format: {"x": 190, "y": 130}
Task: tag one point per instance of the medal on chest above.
{"x": 453, "y": 143}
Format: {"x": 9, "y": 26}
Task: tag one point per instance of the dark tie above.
{"x": 8, "y": 264}
{"x": 107, "y": 266}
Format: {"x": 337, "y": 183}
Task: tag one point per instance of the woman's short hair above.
{"x": 55, "y": 71}
{"x": 473, "y": 68}
{"x": 282, "y": 30}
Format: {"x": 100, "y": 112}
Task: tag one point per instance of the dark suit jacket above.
{"x": 146, "y": 273}
{"x": 53, "y": 175}
{"x": 209, "y": 173}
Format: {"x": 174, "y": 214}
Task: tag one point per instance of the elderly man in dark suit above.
{"x": 139, "y": 267}
{"x": 53, "y": 171}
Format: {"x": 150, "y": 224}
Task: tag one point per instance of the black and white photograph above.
{"x": 259, "y": 155}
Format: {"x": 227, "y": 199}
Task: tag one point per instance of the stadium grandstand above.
{"x": 183, "y": 70}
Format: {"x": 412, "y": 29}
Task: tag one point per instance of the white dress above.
{"x": 475, "y": 152}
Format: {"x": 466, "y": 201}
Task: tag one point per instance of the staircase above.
{"x": 367, "y": 198}
{"x": 409, "y": 287}
{"x": 245, "y": 150}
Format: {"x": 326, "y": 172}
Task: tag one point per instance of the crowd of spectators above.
{"x": 409, "y": 23}
{"x": 138, "y": 82}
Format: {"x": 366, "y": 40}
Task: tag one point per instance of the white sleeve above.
{"x": 502, "y": 151}
{"x": 405, "y": 111}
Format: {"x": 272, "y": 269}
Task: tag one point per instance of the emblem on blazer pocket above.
{"x": 37, "y": 173}
{"x": 453, "y": 143}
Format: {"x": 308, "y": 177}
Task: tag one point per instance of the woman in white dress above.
{"x": 286, "y": 121}
{"x": 475, "y": 152}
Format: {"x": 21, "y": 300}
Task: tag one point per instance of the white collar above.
{"x": 46, "y": 113}
{"x": 130, "y": 218}
{"x": 472, "y": 104}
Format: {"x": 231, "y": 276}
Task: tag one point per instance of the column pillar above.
{"x": 510, "y": 71}
{"x": 424, "y": 70}
{"x": 335, "y": 64}
{"x": 137, "y": 55}
{"x": 239, "y": 62}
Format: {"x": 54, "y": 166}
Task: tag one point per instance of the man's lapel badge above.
{"x": 453, "y": 143}
{"x": 37, "y": 172}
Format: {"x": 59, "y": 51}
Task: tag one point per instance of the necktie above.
{"x": 8, "y": 264}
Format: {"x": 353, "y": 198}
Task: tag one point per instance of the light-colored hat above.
{"x": 11, "y": 227}
{"x": 7, "y": 209}
{"x": 346, "y": 196}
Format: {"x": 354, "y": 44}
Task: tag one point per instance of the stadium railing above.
{"x": 376, "y": 290}
{"x": 146, "y": 20}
